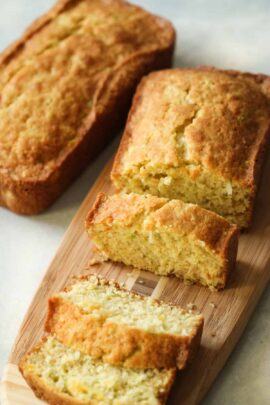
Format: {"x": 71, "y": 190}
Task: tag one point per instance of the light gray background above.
{"x": 228, "y": 34}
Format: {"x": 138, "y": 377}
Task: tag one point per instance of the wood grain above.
{"x": 226, "y": 313}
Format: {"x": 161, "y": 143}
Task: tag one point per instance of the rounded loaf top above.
{"x": 52, "y": 79}
{"x": 198, "y": 119}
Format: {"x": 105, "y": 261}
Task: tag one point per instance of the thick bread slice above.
{"x": 122, "y": 328}
{"x": 61, "y": 375}
{"x": 66, "y": 87}
{"x": 167, "y": 237}
{"x": 198, "y": 135}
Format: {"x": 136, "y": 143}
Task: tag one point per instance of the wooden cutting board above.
{"x": 226, "y": 313}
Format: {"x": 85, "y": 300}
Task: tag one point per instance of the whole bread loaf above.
{"x": 65, "y": 88}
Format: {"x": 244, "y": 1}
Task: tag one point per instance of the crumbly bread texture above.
{"x": 197, "y": 135}
{"x": 122, "y": 328}
{"x": 66, "y": 87}
{"x": 164, "y": 236}
{"x": 61, "y": 375}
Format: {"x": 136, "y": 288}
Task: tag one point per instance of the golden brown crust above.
{"x": 216, "y": 232}
{"x": 226, "y": 129}
{"x": 33, "y": 174}
{"x": 54, "y": 397}
{"x": 249, "y": 94}
{"x": 210, "y": 229}
{"x": 263, "y": 81}
{"x": 115, "y": 343}
{"x": 100, "y": 199}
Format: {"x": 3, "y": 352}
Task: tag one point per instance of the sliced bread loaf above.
{"x": 99, "y": 318}
{"x": 165, "y": 237}
{"x": 198, "y": 135}
{"x": 61, "y": 375}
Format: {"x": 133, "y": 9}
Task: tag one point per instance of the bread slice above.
{"x": 61, "y": 375}
{"x": 198, "y": 135}
{"x": 66, "y": 87}
{"x": 122, "y": 328}
{"x": 165, "y": 237}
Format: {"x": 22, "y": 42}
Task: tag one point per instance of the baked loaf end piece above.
{"x": 66, "y": 87}
{"x": 122, "y": 328}
{"x": 61, "y": 375}
{"x": 197, "y": 135}
{"x": 164, "y": 236}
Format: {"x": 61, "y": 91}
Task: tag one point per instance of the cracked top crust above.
{"x": 154, "y": 213}
{"x": 202, "y": 118}
{"x": 50, "y": 83}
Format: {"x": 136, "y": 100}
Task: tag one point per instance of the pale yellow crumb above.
{"x": 63, "y": 370}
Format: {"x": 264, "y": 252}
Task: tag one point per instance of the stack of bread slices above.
{"x": 106, "y": 345}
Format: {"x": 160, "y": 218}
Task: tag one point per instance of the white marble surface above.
{"x": 229, "y": 34}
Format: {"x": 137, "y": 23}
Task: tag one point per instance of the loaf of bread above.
{"x": 65, "y": 88}
{"x": 164, "y": 236}
{"x": 61, "y": 375}
{"x": 197, "y": 135}
{"x": 122, "y": 328}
